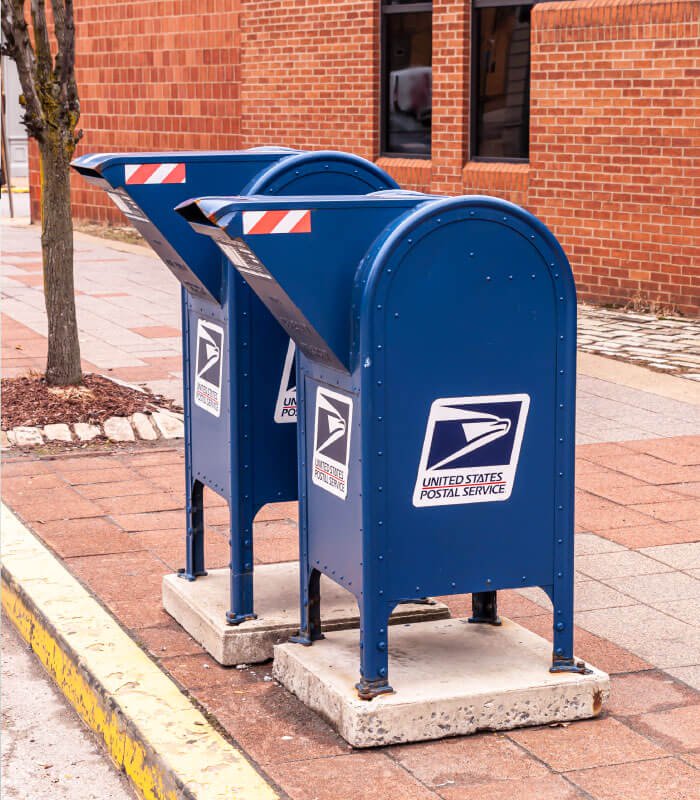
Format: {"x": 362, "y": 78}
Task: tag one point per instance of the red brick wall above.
{"x": 615, "y": 145}
{"x": 153, "y": 75}
{"x": 309, "y": 73}
{"x": 615, "y": 100}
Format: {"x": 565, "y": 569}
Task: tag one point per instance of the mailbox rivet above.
{"x": 381, "y": 630}
{"x": 505, "y": 219}
{"x": 561, "y": 299}
{"x": 389, "y": 269}
{"x": 453, "y": 584}
{"x": 533, "y": 276}
{"x": 381, "y": 645}
{"x": 471, "y": 213}
{"x": 381, "y": 591}
{"x": 381, "y": 558}
{"x": 561, "y": 438}
{"x": 379, "y": 383}
{"x": 382, "y": 672}
{"x": 380, "y": 419}
{"x": 380, "y": 522}
{"x": 561, "y": 371}
{"x": 532, "y": 235}
{"x": 248, "y": 565}
{"x": 380, "y": 453}
{"x": 379, "y": 307}
{"x": 524, "y": 578}
{"x": 559, "y": 651}
{"x": 396, "y": 314}
{"x": 471, "y": 254}
{"x": 561, "y": 405}
{"x": 561, "y": 508}
{"x": 560, "y": 626}
{"x": 510, "y": 277}
{"x": 380, "y": 488}
{"x": 560, "y": 541}
{"x": 561, "y": 474}
{"x": 488, "y": 581}
{"x": 560, "y": 574}
{"x": 379, "y": 347}
{"x": 246, "y": 542}
{"x": 488, "y": 277}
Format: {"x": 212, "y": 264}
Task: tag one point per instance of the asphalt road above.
{"x": 47, "y": 752}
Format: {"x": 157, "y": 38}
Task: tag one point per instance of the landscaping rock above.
{"x": 144, "y": 427}
{"x": 24, "y": 436}
{"x": 86, "y": 432}
{"x": 169, "y": 425}
{"x": 118, "y": 429}
{"x": 58, "y": 432}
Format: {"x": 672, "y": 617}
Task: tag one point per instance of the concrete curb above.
{"x": 153, "y": 733}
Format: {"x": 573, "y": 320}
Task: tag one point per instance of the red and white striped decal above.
{"x": 155, "y": 173}
{"x": 277, "y": 221}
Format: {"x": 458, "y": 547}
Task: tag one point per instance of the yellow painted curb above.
{"x": 165, "y": 746}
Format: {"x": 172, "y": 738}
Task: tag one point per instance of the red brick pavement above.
{"x": 116, "y": 520}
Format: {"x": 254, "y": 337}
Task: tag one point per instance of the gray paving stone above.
{"x": 681, "y": 556}
{"x": 654, "y": 589}
{"x": 143, "y": 426}
{"x": 607, "y": 566}
{"x": 656, "y": 637}
{"x": 118, "y": 429}
{"x": 689, "y": 675}
{"x": 686, "y": 610}
{"x": 85, "y": 431}
{"x": 59, "y": 432}
{"x": 169, "y": 426}
{"x": 24, "y": 436}
{"x": 588, "y": 544}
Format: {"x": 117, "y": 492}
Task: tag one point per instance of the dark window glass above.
{"x": 502, "y": 82}
{"x": 407, "y": 79}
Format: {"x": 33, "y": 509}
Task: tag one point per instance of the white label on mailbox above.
{"x": 126, "y": 205}
{"x": 286, "y": 408}
{"x": 209, "y": 366}
{"x": 471, "y": 449}
{"x": 332, "y": 442}
{"x": 238, "y": 252}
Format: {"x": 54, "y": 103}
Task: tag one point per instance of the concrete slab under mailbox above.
{"x": 200, "y": 607}
{"x": 450, "y": 679}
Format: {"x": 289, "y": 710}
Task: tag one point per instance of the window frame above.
{"x": 386, "y": 9}
{"x": 474, "y": 75}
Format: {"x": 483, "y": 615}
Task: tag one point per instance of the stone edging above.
{"x": 160, "y": 424}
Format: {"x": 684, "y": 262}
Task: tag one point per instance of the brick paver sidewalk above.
{"x": 117, "y": 521}
{"x": 129, "y": 318}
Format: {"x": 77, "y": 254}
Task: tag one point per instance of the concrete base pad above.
{"x": 200, "y": 607}
{"x": 450, "y": 678}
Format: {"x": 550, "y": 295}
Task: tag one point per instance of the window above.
{"x": 407, "y": 80}
{"x": 501, "y": 80}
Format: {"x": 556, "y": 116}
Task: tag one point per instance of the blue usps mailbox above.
{"x": 238, "y": 374}
{"x": 436, "y": 400}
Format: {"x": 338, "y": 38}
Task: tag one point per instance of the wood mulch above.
{"x": 27, "y": 400}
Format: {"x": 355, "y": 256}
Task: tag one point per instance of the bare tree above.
{"x": 46, "y": 67}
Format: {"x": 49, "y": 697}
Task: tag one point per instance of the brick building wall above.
{"x": 614, "y": 164}
{"x": 615, "y": 145}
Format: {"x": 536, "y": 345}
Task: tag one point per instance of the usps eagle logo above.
{"x": 471, "y": 449}
{"x": 209, "y": 366}
{"x": 332, "y": 428}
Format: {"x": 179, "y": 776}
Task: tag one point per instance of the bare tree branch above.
{"x": 18, "y": 46}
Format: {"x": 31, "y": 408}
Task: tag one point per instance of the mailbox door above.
{"x": 476, "y": 395}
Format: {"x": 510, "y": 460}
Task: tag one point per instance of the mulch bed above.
{"x": 27, "y": 400}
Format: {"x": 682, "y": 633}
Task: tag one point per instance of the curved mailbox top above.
{"x": 342, "y": 247}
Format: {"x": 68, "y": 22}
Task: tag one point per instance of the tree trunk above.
{"x": 63, "y": 360}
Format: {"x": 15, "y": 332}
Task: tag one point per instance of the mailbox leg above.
{"x": 374, "y": 652}
{"x": 563, "y": 653}
{"x": 241, "y": 567}
{"x": 485, "y": 609}
{"x": 194, "y": 542}
{"x": 310, "y": 625}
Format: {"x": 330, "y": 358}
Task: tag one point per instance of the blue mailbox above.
{"x": 436, "y": 381}
{"x": 238, "y": 373}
